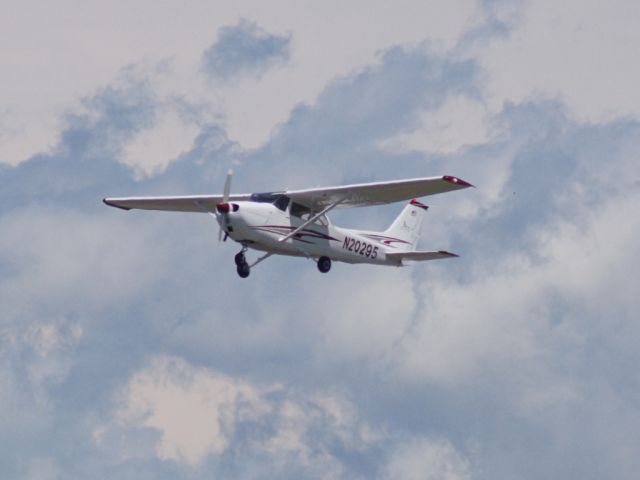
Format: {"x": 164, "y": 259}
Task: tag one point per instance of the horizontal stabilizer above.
{"x": 403, "y": 257}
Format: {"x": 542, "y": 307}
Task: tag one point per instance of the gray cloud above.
{"x": 111, "y": 116}
{"x": 244, "y": 49}
{"x": 526, "y": 344}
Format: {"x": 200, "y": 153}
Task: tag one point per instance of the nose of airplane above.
{"x": 227, "y": 207}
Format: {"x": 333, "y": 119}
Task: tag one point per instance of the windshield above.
{"x": 279, "y": 200}
{"x": 282, "y": 202}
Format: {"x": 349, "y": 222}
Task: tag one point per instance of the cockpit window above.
{"x": 265, "y": 197}
{"x": 279, "y": 200}
{"x": 300, "y": 211}
{"x": 282, "y": 202}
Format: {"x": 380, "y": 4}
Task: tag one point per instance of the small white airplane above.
{"x": 294, "y": 222}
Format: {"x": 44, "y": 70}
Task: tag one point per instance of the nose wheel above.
{"x": 241, "y": 264}
{"x": 324, "y": 264}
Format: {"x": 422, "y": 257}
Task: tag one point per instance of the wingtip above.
{"x": 448, "y": 254}
{"x": 107, "y": 202}
{"x": 457, "y": 181}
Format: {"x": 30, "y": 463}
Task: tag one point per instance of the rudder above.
{"x": 406, "y": 227}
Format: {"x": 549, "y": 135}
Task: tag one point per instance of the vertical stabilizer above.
{"x": 406, "y": 227}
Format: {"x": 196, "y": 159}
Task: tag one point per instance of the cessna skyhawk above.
{"x": 295, "y": 222}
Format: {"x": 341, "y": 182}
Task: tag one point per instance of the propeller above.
{"x": 223, "y": 208}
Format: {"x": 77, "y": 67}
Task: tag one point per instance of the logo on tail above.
{"x": 406, "y": 227}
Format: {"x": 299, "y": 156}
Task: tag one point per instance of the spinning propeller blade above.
{"x": 227, "y": 187}
{"x": 225, "y": 199}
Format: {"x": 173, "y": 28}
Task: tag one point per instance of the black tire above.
{"x": 239, "y": 258}
{"x": 324, "y": 264}
{"x": 244, "y": 270}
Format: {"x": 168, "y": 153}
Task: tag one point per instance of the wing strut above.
{"x": 264, "y": 257}
{"x": 311, "y": 220}
{"x": 314, "y": 218}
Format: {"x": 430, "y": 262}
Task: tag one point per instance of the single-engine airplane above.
{"x": 295, "y": 222}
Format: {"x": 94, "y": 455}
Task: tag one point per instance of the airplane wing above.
{"x": 190, "y": 203}
{"x": 377, "y": 193}
{"x": 357, "y": 195}
{"x": 403, "y": 257}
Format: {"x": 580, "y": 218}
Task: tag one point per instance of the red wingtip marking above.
{"x": 456, "y": 181}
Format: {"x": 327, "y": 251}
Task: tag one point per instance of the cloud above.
{"x": 43, "y": 469}
{"x": 460, "y": 122}
{"x": 129, "y": 337}
{"x": 110, "y": 117}
{"x": 351, "y": 117}
{"x": 196, "y": 411}
{"x": 244, "y": 49}
{"x": 51, "y": 72}
{"x": 199, "y": 413}
{"x": 20, "y": 139}
{"x": 171, "y": 136}
{"x": 571, "y": 50}
{"x": 519, "y": 297}
{"x": 427, "y": 459}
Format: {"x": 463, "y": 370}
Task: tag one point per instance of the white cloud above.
{"x": 459, "y": 122}
{"x": 196, "y": 410}
{"x": 61, "y": 271}
{"x": 71, "y": 258}
{"x": 151, "y": 151}
{"x": 504, "y": 317}
{"x": 427, "y": 459}
{"x": 255, "y": 108}
{"x": 581, "y": 51}
{"x": 529, "y": 336}
{"x": 25, "y": 132}
{"x": 200, "y": 412}
{"x": 67, "y": 51}
{"x": 360, "y": 320}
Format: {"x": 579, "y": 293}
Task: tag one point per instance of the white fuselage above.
{"x": 262, "y": 226}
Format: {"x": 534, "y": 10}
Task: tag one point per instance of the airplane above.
{"x": 295, "y": 222}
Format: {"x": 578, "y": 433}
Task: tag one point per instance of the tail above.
{"x": 406, "y": 227}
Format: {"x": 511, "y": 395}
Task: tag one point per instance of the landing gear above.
{"x": 324, "y": 264}
{"x": 241, "y": 263}
{"x": 243, "y": 270}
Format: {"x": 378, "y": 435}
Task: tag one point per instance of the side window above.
{"x": 282, "y": 202}
{"x": 301, "y": 211}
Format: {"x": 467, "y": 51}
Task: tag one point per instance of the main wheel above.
{"x": 243, "y": 270}
{"x": 239, "y": 258}
{"x": 324, "y": 264}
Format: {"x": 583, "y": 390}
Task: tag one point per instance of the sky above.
{"x": 129, "y": 346}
